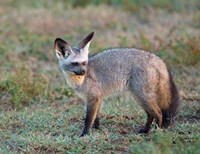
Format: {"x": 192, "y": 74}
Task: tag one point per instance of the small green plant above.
{"x": 24, "y": 86}
{"x": 164, "y": 141}
{"x": 160, "y": 143}
{"x": 143, "y": 147}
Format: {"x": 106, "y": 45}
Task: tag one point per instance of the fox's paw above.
{"x": 167, "y": 123}
{"x": 83, "y": 134}
{"x": 143, "y": 131}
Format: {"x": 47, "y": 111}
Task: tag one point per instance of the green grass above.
{"x": 39, "y": 113}
{"x": 56, "y": 128}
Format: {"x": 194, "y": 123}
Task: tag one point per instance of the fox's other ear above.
{"x": 85, "y": 43}
{"x": 62, "y": 48}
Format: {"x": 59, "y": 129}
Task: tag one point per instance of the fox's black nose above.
{"x": 80, "y": 72}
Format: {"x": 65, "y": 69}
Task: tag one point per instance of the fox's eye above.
{"x": 74, "y": 63}
{"x": 84, "y": 63}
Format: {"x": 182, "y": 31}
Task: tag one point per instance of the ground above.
{"x": 39, "y": 113}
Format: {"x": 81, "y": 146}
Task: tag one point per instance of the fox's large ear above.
{"x": 85, "y": 43}
{"x": 62, "y": 48}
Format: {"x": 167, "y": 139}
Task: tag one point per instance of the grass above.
{"x": 56, "y": 127}
{"x": 39, "y": 113}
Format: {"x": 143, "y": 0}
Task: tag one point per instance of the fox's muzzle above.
{"x": 80, "y": 72}
{"x": 76, "y": 70}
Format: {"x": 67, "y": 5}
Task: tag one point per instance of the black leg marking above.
{"x": 147, "y": 126}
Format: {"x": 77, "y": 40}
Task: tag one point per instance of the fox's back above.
{"x": 120, "y": 58}
{"x": 114, "y": 67}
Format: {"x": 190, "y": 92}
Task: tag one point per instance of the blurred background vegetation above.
{"x": 29, "y": 73}
{"x": 28, "y": 65}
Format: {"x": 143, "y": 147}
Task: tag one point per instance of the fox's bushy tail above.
{"x": 170, "y": 113}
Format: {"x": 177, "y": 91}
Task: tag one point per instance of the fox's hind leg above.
{"x": 144, "y": 86}
{"x": 148, "y": 124}
{"x": 153, "y": 112}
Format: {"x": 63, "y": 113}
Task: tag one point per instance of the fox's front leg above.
{"x": 92, "y": 109}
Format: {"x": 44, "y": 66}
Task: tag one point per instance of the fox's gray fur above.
{"x": 144, "y": 74}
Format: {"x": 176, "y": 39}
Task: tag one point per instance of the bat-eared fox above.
{"x": 143, "y": 74}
